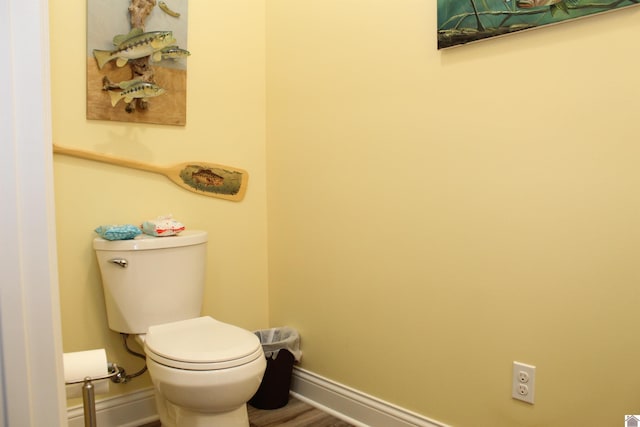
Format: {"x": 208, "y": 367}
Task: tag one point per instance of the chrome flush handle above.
{"x": 120, "y": 261}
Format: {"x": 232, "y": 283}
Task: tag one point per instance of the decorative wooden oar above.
{"x": 208, "y": 179}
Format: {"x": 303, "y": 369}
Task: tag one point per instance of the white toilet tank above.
{"x": 152, "y": 280}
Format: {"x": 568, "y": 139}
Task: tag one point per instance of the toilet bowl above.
{"x": 203, "y": 371}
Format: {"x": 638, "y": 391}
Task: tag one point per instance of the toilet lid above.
{"x": 202, "y": 343}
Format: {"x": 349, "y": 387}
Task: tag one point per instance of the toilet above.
{"x": 203, "y": 371}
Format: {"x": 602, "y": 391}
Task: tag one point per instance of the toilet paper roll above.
{"x": 82, "y": 364}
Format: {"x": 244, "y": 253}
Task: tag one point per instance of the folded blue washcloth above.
{"x": 118, "y": 232}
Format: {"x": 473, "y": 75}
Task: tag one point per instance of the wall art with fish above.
{"x": 465, "y": 21}
{"x": 137, "y": 61}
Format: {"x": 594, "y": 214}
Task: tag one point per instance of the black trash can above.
{"x": 281, "y": 347}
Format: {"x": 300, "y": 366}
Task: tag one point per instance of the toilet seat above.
{"x": 201, "y": 344}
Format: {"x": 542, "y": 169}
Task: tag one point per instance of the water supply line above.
{"x": 123, "y": 377}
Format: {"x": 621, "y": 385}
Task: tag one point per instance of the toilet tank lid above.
{"x": 201, "y": 340}
{"x": 146, "y": 242}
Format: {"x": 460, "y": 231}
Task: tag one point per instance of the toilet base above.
{"x": 173, "y": 416}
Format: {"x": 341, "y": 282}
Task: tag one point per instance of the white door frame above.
{"x": 31, "y": 373}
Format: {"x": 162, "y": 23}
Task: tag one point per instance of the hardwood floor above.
{"x": 295, "y": 414}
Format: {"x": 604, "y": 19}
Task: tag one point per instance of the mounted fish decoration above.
{"x": 135, "y": 90}
{"x": 141, "y": 60}
{"x": 173, "y": 52}
{"x": 137, "y": 46}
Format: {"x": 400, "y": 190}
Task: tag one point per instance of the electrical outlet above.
{"x": 523, "y": 377}
{"x": 523, "y": 390}
{"x": 523, "y": 382}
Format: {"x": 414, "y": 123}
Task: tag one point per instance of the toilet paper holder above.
{"x": 116, "y": 374}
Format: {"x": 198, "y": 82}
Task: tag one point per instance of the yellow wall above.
{"x": 225, "y": 124}
{"x": 434, "y": 216}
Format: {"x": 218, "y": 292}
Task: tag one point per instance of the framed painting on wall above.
{"x": 465, "y": 21}
{"x": 137, "y": 61}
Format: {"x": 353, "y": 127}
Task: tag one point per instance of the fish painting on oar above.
{"x": 208, "y": 179}
{"x": 466, "y": 21}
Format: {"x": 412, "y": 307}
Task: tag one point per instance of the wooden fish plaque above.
{"x": 137, "y": 61}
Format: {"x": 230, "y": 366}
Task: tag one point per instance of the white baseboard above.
{"x": 126, "y": 410}
{"x": 351, "y": 405}
{"x": 357, "y": 408}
